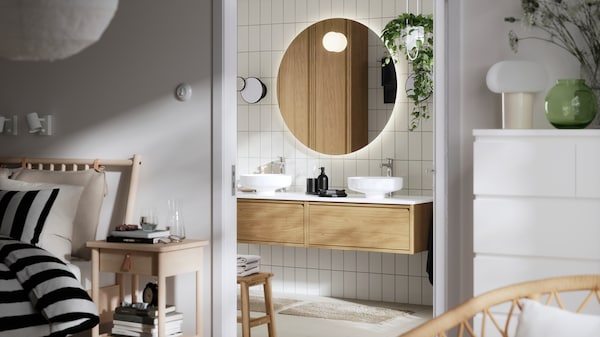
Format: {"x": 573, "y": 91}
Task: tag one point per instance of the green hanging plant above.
{"x": 420, "y": 56}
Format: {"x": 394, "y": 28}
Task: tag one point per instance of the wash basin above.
{"x": 375, "y": 187}
{"x": 265, "y": 184}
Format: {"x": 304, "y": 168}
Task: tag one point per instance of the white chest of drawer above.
{"x": 536, "y": 205}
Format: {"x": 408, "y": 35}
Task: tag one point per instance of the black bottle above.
{"x": 322, "y": 181}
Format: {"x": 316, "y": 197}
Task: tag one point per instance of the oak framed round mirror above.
{"x": 336, "y": 102}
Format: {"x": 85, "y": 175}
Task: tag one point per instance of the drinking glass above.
{"x": 149, "y": 219}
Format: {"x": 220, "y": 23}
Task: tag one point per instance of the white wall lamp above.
{"x": 40, "y": 125}
{"x": 252, "y": 89}
{"x": 8, "y": 126}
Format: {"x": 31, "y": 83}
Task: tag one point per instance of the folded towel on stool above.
{"x": 247, "y": 264}
{"x": 243, "y": 259}
{"x": 248, "y": 272}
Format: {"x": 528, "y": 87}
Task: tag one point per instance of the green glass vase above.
{"x": 570, "y": 104}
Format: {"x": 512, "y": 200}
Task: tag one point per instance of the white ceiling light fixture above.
{"x": 40, "y": 125}
{"x": 335, "y": 42}
{"x": 48, "y": 30}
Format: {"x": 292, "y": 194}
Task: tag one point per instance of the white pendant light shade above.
{"x": 335, "y": 42}
{"x": 47, "y": 30}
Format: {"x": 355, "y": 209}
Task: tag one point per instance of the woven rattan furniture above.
{"x": 495, "y": 313}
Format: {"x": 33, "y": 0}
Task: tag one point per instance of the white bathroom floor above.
{"x": 297, "y": 326}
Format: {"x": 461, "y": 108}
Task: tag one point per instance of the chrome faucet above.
{"x": 281, "y": 165}
{"x": 275, "y": 166}
{"x": 389, "y": 166}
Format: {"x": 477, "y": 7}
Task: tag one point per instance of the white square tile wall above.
{"x": 347, "y": 274}
{"x": 265, "y": 29}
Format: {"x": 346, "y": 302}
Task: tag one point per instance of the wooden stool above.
{"x": 245, "y": 283}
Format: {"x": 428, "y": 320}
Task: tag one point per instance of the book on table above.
{"x": 133, "y": 240}
{"x": 170, "y": 327}
{"x": 135, "y": 320}
{"x": 150, "y": 311}
{"x": 120, "y": 333}
{"x": 159, "y": 233}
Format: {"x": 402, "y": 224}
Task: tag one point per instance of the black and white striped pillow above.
{"x": 24, "y": 213}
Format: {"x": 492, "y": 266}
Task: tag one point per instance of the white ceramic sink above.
{"x": 265, "y": 184}
{"x": 375, "y": 187}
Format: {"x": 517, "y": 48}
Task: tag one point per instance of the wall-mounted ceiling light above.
{"x": 335, "y": 42}
{"x": 40, "y": 125}
{"x": 8, "y": 126}
{"x": 47, "y": 30}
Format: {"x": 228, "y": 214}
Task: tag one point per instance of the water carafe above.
{"x": 175, "y": 223}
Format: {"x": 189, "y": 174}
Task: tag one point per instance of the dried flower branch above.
{"x": 573, "y": 25}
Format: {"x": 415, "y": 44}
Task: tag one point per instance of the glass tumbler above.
{"x": 175, "y": 223}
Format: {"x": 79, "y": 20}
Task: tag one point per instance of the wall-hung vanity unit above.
{"x": 391, "y": 225}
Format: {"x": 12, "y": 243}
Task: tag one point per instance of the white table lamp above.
{"x": 517, "y": 81}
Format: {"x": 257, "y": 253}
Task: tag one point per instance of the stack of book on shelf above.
{"x": 248, "y": 265}
{"x": 129, "y": 321}
{"x": 138, "y": 236}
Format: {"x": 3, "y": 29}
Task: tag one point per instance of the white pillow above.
{"x": 58, "y": 229}
{"x": 5, "y": 172}
{"x": 538, "y": 320}
{"x": 90, "y": 204}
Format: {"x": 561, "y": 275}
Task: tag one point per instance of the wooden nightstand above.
{"x": 160, "y": 260}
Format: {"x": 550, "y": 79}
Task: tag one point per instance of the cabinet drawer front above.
{"x": 120, "y": 261}
{"x": 588, "y": 167}
{"x": 368, "y": 227}
{"x": 523, "y": 167}
{"x": 543, "y": 227}
{"x": 270, "y": 222}
{"x": 491, "y": 272}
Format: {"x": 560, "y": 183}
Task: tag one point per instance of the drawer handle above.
{"x": 126, "y": 266}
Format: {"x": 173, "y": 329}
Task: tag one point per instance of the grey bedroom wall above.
{"x": 477, "y": 39}
{"x": 116, "y": 98}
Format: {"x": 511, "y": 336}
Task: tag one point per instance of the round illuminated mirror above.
{"x": 336, "y": 101}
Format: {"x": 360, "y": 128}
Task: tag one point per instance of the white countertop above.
{"x": 351, "y": 198}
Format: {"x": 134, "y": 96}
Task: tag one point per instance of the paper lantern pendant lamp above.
{"x": 48, "y": 30}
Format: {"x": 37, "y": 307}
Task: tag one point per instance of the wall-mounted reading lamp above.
{"x": 252, "y": 89}
{"x": 40, "y": 125}
{"x": 8, "y": 126}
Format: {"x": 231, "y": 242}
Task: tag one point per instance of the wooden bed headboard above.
{"x": 74, "y": 164}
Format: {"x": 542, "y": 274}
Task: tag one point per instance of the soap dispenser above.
{"x": 322, "y": 181}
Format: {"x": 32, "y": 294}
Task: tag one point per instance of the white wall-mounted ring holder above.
{"x": 252, "y": 89}
{"x": 9, "y": 126}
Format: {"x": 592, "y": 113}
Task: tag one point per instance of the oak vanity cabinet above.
{"x": 388, "y": 228}
{"x": 268, "y": 222}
